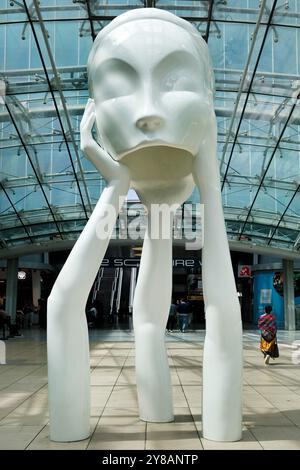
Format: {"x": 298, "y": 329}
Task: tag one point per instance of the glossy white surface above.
{"x": 152, "y": 91}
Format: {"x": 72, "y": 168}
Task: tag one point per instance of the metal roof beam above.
{"x": 42, "y": 26}
{"x": 209, "y": 19}
{"x": 77, "y": 110}
{"x": 33, "y": 167}
{"x": 249, "y": 86}
{"x": 270, "y": 161}
{"x": 16, "y": 213}
{"x": 88, "y": 8}
{"x": 63, "y": 245}
{"x": 283, "y": 214}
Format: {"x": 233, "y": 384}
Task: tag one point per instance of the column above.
{"x": 36, "y": 286}
{"x": 289, "y": 295}
{"x": 11, "y": 288}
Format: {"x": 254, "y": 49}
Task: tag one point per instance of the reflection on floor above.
{"x": 271, "y": 395}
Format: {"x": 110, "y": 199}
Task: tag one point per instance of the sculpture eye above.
{"x": 116, "y": 83}
{"x": 179, "y": 82}
{"x": 113, "y": 79}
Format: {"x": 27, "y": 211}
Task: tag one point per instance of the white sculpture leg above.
{"x": 222, "y": 359}
{"x": 68, "y": 347}
{"x": 2, "y": 353}
{"x": 150, "y": 314}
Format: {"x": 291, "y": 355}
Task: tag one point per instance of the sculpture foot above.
{"x": 69, "y": 436}
{"x": 223, "y": 437}
{"x": 149, "y": 419}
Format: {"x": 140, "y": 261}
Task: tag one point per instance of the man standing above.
{"x": 183, "y": 310}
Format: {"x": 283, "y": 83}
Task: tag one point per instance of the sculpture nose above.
{"x": 150, "y": 123}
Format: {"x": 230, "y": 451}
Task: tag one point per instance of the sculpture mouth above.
{"x": 147, "y": 143}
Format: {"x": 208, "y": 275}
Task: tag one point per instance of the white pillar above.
{"x": 289, "y": 295}
{"x": 11, "y": 288}
{"x": 36, "y": 286}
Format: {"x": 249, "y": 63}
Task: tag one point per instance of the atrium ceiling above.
{"x": 48, "y": 188}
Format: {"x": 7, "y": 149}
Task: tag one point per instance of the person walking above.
{"x": 28, "y": 314}
{"x": 268, "y": 329}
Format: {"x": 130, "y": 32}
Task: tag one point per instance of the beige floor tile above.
{"x": 12, "y": 399}
{"x": 100, "y": 395}
{"x": 121, "y": 416}
{"x": 24, "y": 416}
{"x": 5, "y": 412}
{"x": 197, "y": 417}
{"x": 102, "y": 345}
{"x": 5, "y": 368}
{"x": 125, "y": 394}
{"x": 174, "y": 377}
{"x": 248, "y": 442}
{"x": 180, "y": 352}
{"x": 179, "y": 436}
{"x": 27, "y": 387}
{"x": 124, "y": 345}
{"x": 127, "y": 376}
{"x": 119, "y": 437}
{"x": 171, "y": 361}
{"x": 17, "y": 437}
{"x": 104, "y": 376}
{"x": 271, "y": 400}
{"x": 183, "y": 363}
{"x": 94, "y": 362}
{"x": 183, "y": 415}
{"x": 119, "y": 352}
{"x": 293, "y": 416}
{"x": 285, "y": 402}
{"x": 18, "y": 372}
{"x": 193, "y": 394}
{"x": 6, "y": 383}
{"x": 130, "y": 361}
{"x": 43, "y": 442}
{"x": 179, "y": 399}
{"x": 275, "y": 437}
{"x": 42, "y": 391}
{"x": 99, "y": 353}
{"x": 294, "y": 388}
{"x": 274, "y": 389}
{"x": 258, "y": 378}
{"x": 190, "y": 375}
{"x": 252, "y": 397}
{"x": 112, "y": 361}
{"x": 184, "y": 345}
{"x": 264, "y": 417}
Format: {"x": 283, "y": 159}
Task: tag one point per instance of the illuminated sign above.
{"x": 244, "y": 270}
{"x": 21, "y": 275}
{"x": 135, "y": 262}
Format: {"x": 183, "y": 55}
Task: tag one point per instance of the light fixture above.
{"x": 22, "y": 275}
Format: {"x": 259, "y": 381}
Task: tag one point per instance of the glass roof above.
{"x": 48, "y": 188}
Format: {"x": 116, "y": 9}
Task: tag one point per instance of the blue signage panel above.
{"x": 266, "y": 294}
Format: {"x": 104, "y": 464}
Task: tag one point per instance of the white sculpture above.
{"x": 152, "y": 86}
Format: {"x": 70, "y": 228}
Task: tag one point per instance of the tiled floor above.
{"x": 271, "y": 396}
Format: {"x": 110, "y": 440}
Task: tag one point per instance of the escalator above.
{"x": 112, "y": 295}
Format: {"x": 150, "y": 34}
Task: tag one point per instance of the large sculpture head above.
{"x": 152, "y": 83}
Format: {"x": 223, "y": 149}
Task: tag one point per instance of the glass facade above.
{"x": 48, "y": 188}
